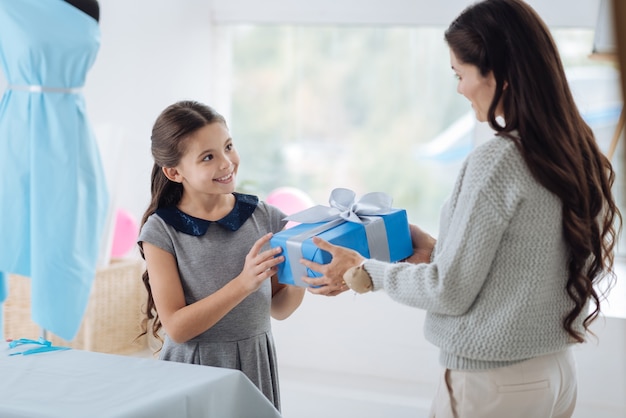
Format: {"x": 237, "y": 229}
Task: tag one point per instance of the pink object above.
{"x": 125, "y": 233}
{"x": 290, "y": 200}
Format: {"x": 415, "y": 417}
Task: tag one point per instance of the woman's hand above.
{"x": 259, "y": 265}
{"x": 423, "y": 245}
{"x": 331, "y": 283}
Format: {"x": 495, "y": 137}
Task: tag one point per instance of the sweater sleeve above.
{"x": 473, "y": 223}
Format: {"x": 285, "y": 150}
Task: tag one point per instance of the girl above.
{"x": 527, "y": 233}
{"x": 210, "y": 277}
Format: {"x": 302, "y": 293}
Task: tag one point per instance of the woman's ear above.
{"x": 172, "y": 174}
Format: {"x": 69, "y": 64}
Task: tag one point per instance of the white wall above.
{"x": 153, "y": 53}
{"x": 601, "y": 367}
{"x": 366, "y": 335}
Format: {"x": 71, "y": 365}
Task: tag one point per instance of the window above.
{"x": 372, "y": 108}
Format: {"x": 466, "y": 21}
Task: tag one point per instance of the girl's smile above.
{"x": 207, "y": 169}
{"x": 226, "y": 179}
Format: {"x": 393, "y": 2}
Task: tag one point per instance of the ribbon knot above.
{"x": 366, "y": 212}
{"x": 343, "y": 205}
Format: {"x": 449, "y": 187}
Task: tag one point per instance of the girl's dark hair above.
{"x": 169, "y": 137}
{"x": 509, "y": 39}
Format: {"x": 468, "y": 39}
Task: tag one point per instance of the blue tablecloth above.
{"x": 79, "y": 384}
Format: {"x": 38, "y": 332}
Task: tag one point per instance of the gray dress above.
{"x": 209, "y": 255}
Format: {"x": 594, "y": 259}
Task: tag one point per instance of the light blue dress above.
{"x": 53, "y": 197}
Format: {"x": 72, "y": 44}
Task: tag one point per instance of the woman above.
{"x": 529, "y": 229}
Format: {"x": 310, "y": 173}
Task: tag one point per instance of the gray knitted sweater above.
{"x": 494, "y": 290}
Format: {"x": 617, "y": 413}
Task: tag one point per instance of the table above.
{"x": 81, "y": 384}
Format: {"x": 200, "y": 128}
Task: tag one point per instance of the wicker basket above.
{"x": 112, "y": 320}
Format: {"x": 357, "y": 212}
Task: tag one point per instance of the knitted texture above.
{"x": 495, "y": 289}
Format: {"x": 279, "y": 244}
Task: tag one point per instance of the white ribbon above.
{"x": 44, "y": 89}
{"x": 343, "y": 207}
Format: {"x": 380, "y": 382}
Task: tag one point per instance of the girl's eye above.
{"x": 208, "y": 157}
{"x": 229, "y": 147}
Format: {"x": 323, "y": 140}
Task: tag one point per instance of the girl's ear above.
{"x": 172, "y": 174}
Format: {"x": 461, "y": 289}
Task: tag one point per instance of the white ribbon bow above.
{"x": 344, "y": 206}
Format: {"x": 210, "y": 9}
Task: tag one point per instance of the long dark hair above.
{"x": 509, "y": 39}
{"x": 169, "y": 134}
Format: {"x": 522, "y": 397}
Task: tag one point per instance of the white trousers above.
{"x": 542, "y": 387}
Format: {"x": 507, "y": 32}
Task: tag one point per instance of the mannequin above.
{"x": 90, "y": 7}
{"x": 54, "y": 225}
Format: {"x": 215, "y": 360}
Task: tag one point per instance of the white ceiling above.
{"x": 556, "y": 13}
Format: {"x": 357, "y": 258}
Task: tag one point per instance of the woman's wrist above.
{"x": 358, "y": 279}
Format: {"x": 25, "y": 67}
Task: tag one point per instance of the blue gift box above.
{"x": 394, "y": 240}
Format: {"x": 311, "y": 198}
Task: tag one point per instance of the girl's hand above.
{"x": 331, "y": 283}
{"x": 423, "y": 245}
{"x": 259, "y": 265}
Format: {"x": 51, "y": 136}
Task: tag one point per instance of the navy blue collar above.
{"x": 245, "y": 205}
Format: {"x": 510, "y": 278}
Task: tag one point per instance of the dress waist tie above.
{"x": 44, "y": 89}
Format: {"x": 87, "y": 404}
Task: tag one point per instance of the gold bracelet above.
{"x": 358, "y": 279}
